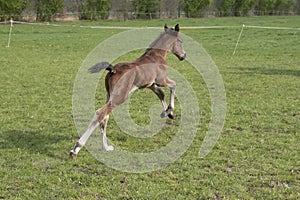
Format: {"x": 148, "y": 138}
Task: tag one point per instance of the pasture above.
{"x": 257, "y": 154}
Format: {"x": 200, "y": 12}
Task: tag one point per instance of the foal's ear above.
{"x": 177, "y": 28}
{"x": 166, "y": 27}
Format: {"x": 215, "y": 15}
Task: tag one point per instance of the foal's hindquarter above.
{"x": 148, "y": 71}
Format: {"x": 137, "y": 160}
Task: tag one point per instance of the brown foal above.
{"x": 148, "y": 71}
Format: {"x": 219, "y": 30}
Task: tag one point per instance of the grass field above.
{"x": 256, "y": 157}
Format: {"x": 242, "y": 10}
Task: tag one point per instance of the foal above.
{"x": 148, "y": 71}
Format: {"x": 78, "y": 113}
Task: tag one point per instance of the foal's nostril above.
{"x": 183, "y": 57}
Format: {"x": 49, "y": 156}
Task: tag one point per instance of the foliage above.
{"x": 47, "y": 9}
{"x": 146, "y": 8}
{"x": 194, "y": 8}
{"x": 93, "y": 9}
{"x": 235, "y": 7}
{"x": 12, "y": 8}
{"x": 273, "y": 6}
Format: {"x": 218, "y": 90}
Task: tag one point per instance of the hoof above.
{"x": 171, "y": 115}
{"x": 108, "y": 148}
{"x": 169, "y": 112}
{"x": 72, "y": 154}
{"x": 163, "y": 114}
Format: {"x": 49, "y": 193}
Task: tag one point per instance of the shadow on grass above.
{"x": 264, "y": 71}
{"x": 35, "y": 142}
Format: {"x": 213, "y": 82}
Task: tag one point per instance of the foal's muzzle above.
{"x": 182, "y": 57}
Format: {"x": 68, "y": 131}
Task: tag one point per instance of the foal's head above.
{"x": 170, "y": 40}
{"x": 176, "y": 44}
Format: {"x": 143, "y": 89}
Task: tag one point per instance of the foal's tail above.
{"x": 100, "y": 66}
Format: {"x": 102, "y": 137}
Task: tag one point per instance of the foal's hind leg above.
{"x": 103, "y": 125}
{"x": 81, "y": 142}
{"x": 100, "y": 117}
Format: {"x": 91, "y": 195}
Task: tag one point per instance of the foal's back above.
{"x": 141, "y": 73}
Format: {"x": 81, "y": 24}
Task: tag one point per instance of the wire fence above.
{"x": 12, "y": 22}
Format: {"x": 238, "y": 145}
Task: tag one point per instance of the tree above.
{"x": 284, "y": 6}
{"x": 195, "y": 8}
{"x": 121, "y": 9}
{"x": 146, "y": 8}
{"x": 235, "y": 7}
{"x": 47, "y": 9}
{"x": 93, "y": 9}
{"x": 265, "y": 6}
{"x": 170, "y": 8}
{"x": 242, "y": 7}
{"x": 297, "y": 7}
{"x": 11, "y": 9}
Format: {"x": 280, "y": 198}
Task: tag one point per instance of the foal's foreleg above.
{"x": 172, "y": 86}
{"x": 170, "y": 109}
{"x": 161, "y": 95}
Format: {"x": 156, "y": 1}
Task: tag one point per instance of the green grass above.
{"x": 257, "y": 154}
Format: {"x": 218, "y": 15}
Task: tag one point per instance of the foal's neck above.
{"x": 160, "y": 47}
{"x": 155, "y": 53}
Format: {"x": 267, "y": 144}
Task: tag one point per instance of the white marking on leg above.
{"x": 103, "y": 125}
{"x": 105, "y": 146}
{"x": 81, "y": 142}
{"x": 172, "y": 93}
{"x": 94, "y": 123}
{"x": 76, "y": 150}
